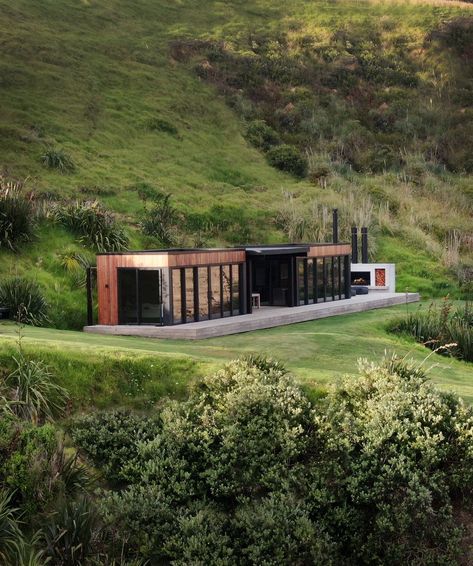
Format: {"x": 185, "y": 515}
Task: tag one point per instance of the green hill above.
{"x": 196, "y": 100}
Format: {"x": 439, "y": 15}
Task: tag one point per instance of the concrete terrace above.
{"x": 266, "y": 317}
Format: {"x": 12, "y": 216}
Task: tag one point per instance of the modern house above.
{"x": 179, "y": 286}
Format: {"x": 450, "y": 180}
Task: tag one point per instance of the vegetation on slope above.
{"x": 103, "y": 101}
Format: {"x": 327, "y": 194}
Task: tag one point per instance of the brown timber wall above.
{"x": 329, "y": 249}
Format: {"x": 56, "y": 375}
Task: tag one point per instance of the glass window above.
{"x": 336, "y": 270}
{"x": 328, "y": 279}
{"x": 342, "y": 277}
{"x": 128, "y": 298}
{"x": 176, "y": 296}
{"x": 320, "y": 280}
{"x": 300, "y": 280}
{"x": 215, "y": 291}
{"x": 236, "y": 289}
{"x": 149, "y": 283}
{"x": 310, "y": 280}
{"x": 203, "y": 293}
{"x": 226, "y": 280}
{"x": 189, "y": 294}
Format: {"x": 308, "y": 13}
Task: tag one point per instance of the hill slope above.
{"x": 104, "y": 83}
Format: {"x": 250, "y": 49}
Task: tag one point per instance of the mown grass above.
{"x": 317, "y": 352}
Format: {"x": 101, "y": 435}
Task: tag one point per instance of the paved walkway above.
{"x": 266, "y": 317}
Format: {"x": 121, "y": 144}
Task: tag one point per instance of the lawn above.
{"x": 317, "y": 352}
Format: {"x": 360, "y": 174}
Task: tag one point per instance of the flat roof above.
{"x": 263, "y": 249}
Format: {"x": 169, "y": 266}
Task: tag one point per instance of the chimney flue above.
{"x": 354, "y": 244}
{"x": 335, "y": 226}
{"x": 364, "y": 245}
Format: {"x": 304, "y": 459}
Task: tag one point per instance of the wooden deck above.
{"x": 266, "y": 317}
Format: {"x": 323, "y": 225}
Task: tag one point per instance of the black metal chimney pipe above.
{"x": 335, "y": 225}
{"x": 354, "y": 244}
{"x": 364, "y": 245}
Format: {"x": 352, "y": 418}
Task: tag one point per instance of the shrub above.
{"x": 261, "y": 135}
{"x": 445, "y": 329}
{"x": 95, "y": 225}
{"x": 25, "y": 301}
{"x": 247, "y": 471}
{"x": 160, "y": 220}
{"x": 287, "y": 158}
{"x": 54, "y": 158}
{"x": 110, "y": 440}
{"x": 17, "y": 222}
{"x": 33, "y": 394}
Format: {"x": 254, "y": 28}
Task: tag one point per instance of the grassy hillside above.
{"x": 152, "y": 95}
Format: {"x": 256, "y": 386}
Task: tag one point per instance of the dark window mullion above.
{"x": 183, "y": 295}
{"x": 314, "y": 280}
{"x": 196, "y": 294}
{"x": 221, "y": 291}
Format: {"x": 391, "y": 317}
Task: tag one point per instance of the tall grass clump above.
{"x": 95, "y": 226}
{"x": 25, "y": 301}
{"x": 446, "y": 329}
{"x": 17, "y": 221}
{"x": 54, "y": 158}
{"x": 160, "y": 220}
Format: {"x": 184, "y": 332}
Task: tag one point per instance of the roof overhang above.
{"x": 277, "y": 250}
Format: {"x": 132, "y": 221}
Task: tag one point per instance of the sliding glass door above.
{"x": 139, "y": 296}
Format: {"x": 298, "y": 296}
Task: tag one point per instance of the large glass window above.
{"x": 300, "y": 280}
{"x": 310, "y": 280}
{"x": 203, "y": 293}
{"x": 336, "y": 282}
{"x": 189, "y": 294}
{"x": 128, "y": 296}
{"x": 150, "y": 291}
{"x": 328, "y": 279}
{"x": 226, "y": 288}
{"x": 176, "y": 296}
{"x": 216, "y": 300}
{"x": 320, "y": 281}
{"x": 342, "y": 277}
{"x": 236, "y": 289}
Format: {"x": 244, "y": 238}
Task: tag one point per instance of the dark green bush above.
{"x": 261, "y": 135}
{"x": 54, "y": 158}
{"x": 248, "y": 470}
{"x": 111, "y": 441}
{"x": 25, "y": 300}
{"x": 17, "y": 221}
{"x": 288, "y": 158}
{"x": 96, "y": 226}
{"x": 160, "y": 220}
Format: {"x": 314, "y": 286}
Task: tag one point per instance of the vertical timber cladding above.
{"x": 107, "y": 280}
{"x": 108, "y": 264}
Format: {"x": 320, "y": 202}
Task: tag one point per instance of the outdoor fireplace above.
{"x": 360, "y": 278}
{"x": 375, "y": 276}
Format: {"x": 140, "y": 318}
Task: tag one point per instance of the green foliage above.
{"x": 160, "y": 220}
{"x": 445, "y": 329}
{"x": 95, "y": 226}
{"x": 71, "y": 534}
{"x": 55, "y": 158}
{"x": 247, "y": 471}
{"x": 261, "y": 135}
{"x": 10, "y": 532}
{"x": 17, "y": 221}
{"x": 32, "y": 393}
{"x": 25, "y": 300}
{"x": 111, "y": 441}
{"x": 288, "y": 158}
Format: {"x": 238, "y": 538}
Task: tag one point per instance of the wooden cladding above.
{"x": 329, "y": 250}
{"x": 191, "y": 259}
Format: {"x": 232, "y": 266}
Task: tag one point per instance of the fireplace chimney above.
{"x": 364, "y": 245}
{"x": 354, "y": 244}
{"x": 335, "y": 226}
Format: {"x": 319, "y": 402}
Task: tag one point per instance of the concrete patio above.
{"x": 266, "y": 317}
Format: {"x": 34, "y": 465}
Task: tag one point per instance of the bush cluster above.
{"x": 17, "y": 220}
{"x": 95, "y": 226}
{"x": 24, "y": 300}
{"x": 248, "y": 471}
